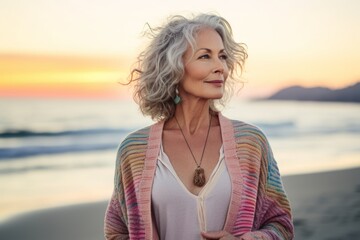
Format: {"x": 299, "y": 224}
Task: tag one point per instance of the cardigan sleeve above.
{"x": 273, "y": 219}
{"x": 115, "y": 227}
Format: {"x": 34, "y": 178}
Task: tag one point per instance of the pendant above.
{"x": 199, "y": 177}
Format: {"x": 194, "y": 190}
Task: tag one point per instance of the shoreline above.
{"x": 325, "y": 205}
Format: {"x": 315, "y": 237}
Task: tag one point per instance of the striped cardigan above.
{"x": 259, "y": 208}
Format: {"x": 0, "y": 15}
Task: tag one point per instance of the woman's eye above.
{"x": 224, "y": 57}
{"x": 205, "y": 56}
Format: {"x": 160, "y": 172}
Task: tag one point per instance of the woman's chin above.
{"x": 216, "y": 96}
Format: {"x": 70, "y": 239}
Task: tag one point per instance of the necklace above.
{"x": 199, "y": 176}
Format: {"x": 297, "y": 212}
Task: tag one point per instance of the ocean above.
{"x": 60, "y": 152}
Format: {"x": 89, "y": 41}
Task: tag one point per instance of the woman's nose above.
{"x": 219, "y": 66}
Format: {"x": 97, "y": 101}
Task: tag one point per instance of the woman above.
{"x": 194, "y": 174}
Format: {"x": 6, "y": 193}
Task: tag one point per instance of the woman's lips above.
{"x": 217, "y": 83}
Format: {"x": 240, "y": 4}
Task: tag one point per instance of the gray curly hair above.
{"x": 160, "y": 66}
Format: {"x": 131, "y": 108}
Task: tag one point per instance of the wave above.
{"x": 273, "y": 129}
{"x": 32, "y": 143}
{"x": 292, "y": 129}
{"x": 22, "y": 133}
{"x": 24, "y": 151}
{"x": 23, "y": 169}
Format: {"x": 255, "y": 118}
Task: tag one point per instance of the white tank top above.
{"x": 178, "y": 213}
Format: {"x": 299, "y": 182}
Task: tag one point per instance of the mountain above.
{"x": 347, "y": 94}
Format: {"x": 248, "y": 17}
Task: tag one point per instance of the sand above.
{"x": 325, "y": 206}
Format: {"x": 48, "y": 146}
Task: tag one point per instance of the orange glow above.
{"x": 61, "y": 76}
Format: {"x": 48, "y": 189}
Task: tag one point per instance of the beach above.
{"x": 56, "y": 171}
{"x": 326, "y": 205}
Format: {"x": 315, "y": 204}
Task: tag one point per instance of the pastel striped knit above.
{"x": 259, "y": 208}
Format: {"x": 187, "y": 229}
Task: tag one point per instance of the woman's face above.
{"x": 205, "y": 68}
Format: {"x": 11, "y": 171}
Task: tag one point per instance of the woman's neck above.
{"x": 192, "y": 116}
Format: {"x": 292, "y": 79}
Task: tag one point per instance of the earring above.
{"x": 177, "y": 98}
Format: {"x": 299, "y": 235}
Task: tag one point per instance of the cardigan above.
{"x": 259, "y": 207}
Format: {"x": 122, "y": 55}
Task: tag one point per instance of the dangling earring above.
{"x": 177, "y": 98}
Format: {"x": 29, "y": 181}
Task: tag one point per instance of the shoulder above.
{"x": 247, "y": 130}
{"x": 130, "y": 156}
{"x": 136, "y": 137}
{"x": 134, "y": 143}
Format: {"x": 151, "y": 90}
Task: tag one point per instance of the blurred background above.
{"x": 63, "y": 112}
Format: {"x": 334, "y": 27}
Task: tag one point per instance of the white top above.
{"x": 178, "y": 213}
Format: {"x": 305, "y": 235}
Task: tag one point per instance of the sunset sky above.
{"x": 83, "y": 48}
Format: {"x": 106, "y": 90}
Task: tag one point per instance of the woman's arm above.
{"x": 114, "y": 226}
{"x": 273, "y": 218}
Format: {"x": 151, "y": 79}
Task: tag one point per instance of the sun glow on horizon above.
{"x": 61, "y": 76}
